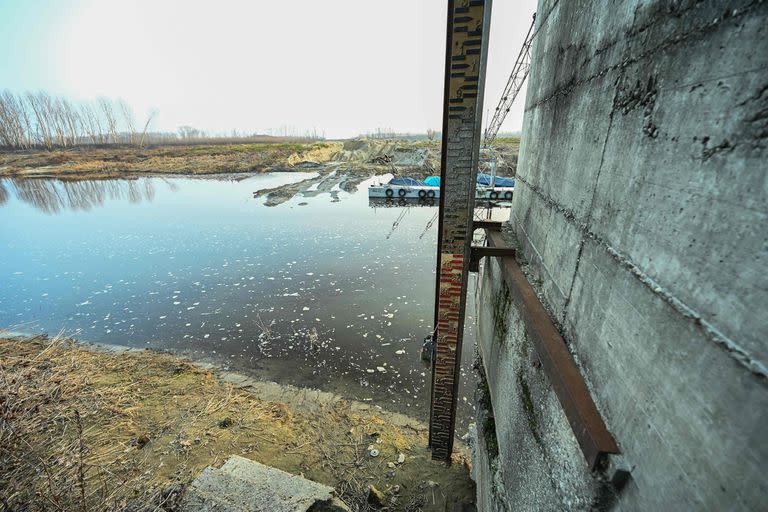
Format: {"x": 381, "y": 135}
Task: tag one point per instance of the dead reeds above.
{"x": 87, "y": 430}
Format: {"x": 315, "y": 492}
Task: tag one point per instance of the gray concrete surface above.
{"x": 641, "y": 208}
{"x": 244, "y": 485}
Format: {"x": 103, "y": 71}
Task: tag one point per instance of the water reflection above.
{"x": 55, "y": 196}
{"x": 389, "y": 202}
{"x": 319, "y": 291}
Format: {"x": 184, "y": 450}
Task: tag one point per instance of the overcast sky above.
{"x": 342, "y": 66}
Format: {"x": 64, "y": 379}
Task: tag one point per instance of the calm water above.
{"x": 312, "y": 295}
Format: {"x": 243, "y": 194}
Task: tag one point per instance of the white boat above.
{"x": 389, "y": 191}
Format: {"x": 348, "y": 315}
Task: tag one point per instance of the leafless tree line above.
{"x": 40, "y": 120}
{"x": 37, "y": 119}
{"x": 388, "y": 133}
{"x": 188, "y": 135}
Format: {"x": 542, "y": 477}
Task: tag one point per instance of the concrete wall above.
{"x": 641, "y": 209}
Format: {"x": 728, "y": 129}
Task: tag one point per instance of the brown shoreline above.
{"x": 90, "y": 427}
{"x": 118, "y": 161}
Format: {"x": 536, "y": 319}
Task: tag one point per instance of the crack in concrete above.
{"x": 664, "y": 45}
{"x": 649, "y": 98}
{"x": 714, "y": 334}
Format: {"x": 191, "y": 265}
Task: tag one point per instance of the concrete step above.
{"x": 242, "y": 485}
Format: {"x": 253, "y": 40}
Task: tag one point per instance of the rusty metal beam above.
{"x": 494, "y": 225}
{"x": 480, "y": 251}
{"x": 558, "y": 363}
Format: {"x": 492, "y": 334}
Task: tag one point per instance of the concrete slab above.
{"x": 245, "y": 485}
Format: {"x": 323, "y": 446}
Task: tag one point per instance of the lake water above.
{"x": 311, "y": 294}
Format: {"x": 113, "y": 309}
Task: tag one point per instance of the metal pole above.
{"x": 466, "y": 53}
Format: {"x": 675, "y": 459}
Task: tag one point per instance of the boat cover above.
{"x": 482, "y": 179}
{"x": 406, "y": 182}
{"x": 485, "y": 180}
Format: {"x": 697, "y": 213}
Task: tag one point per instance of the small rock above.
{"x": 400, "y": 352}
{"x": 381, "y": 369}
{"x": 375, "y": 497}
{"x": 390, "y": 465}
{"x": 401, "y": 458}
{"x": 141, "y": 440}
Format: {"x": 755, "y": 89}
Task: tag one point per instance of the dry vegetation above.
{"x": 116, "y": 161}
{"x": 92, "y": 162}
{"x": 85, "y": 429}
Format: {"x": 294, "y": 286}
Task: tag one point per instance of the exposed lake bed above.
{"x": 129, "y": 429}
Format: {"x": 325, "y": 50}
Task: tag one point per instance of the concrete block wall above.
{"x": 640, "y": 209}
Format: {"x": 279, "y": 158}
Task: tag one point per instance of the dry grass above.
{"x": 111, "y": 162}
{"x": 84, "y": 429}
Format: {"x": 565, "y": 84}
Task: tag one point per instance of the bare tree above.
{"x": 128, "y": 119}
{"x": 188, "y": 133}
{"x": 105, "y": 105}
{"x": 42, "y": 131}
{"x": 13, "y": 122}
{"x": 54, "y": 118}
{"x": 90, "y": 123}
{"x": 151, "y": 116}
{"x": 72, "y": 120}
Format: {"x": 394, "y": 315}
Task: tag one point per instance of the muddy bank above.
{"x": 89, "y": 428}
{"x": 112, "y": 162}
{"x": 417, "y": 159}
{"x": 329, "y": 183}
{"x": 118, "y": 161}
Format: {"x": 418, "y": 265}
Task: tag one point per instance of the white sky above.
{"x": 340, "y": 66}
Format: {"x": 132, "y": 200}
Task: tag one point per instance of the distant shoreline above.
{"x": 417, "y": 158}
{"x": 107, "y": 162}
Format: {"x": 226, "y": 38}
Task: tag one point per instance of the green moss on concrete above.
{"x": 501, "y": 303}
{"x": 489, "y": 433}
{"x": 528, "y": 409}
{"x": 487, "y": 419}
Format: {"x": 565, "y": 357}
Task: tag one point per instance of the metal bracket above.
{"x": 618, "y": 472}
{"x": 479, "y": 251}
{"x": 493, "y": 225}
